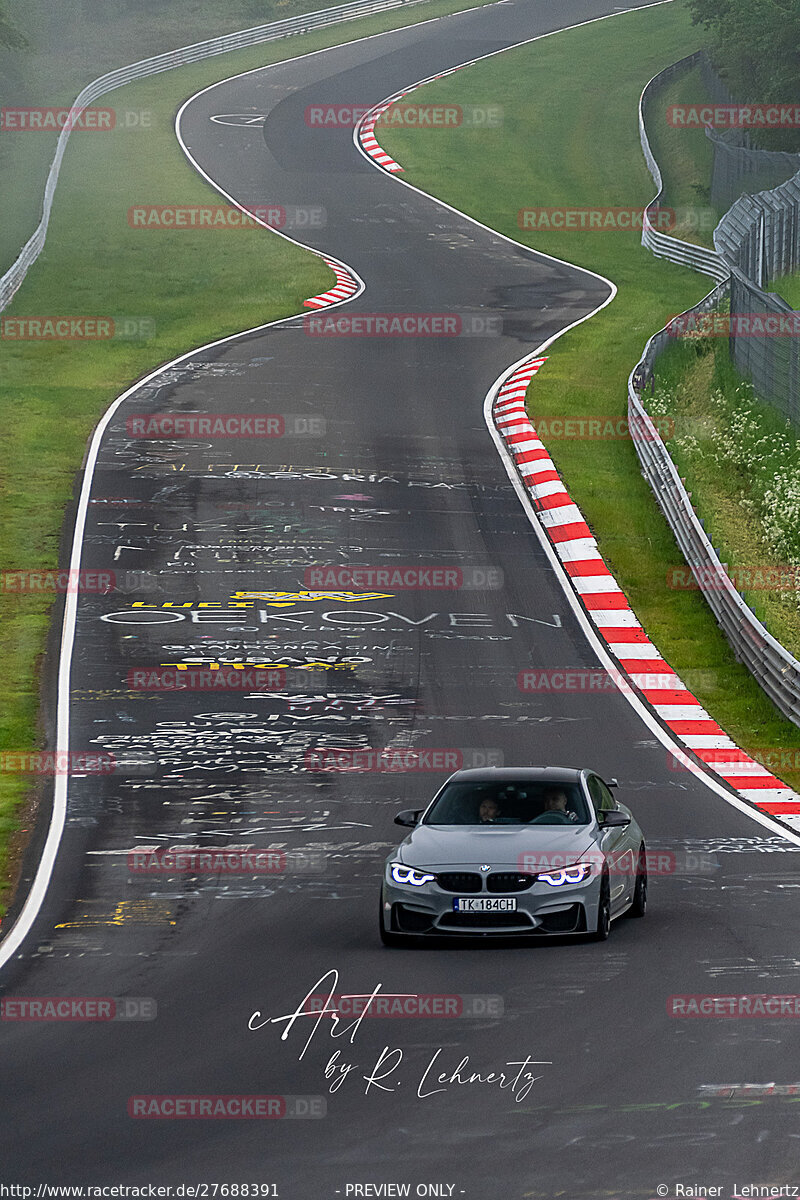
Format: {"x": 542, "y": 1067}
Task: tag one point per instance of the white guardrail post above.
{"x": 771, "y": 664}
{"x": 14, "y": 276}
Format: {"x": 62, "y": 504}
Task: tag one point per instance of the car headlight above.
{"x": 575, "y": 874}
{"x": 403, "y": 874}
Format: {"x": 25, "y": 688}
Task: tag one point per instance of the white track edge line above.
{"x": 12, "y": 940}
{"x": 588, "y": 629}
{"x": 30, "y": 910}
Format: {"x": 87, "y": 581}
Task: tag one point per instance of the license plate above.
{"x": 485, "y": 904}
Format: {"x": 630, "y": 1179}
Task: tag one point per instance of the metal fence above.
{"x": 760, "y": 238}
{"x": 739, "y": 167}
{"x": 773, "y": 667}
{"x": 763, "y": 347}
{"x": 12, "y": 279}
{"x": 760, "y": 234}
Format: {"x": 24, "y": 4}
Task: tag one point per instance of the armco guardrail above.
{"x": 661, "y": 244}
{"x": 11, "y": 281}
{"x": 774, "y": 668}
{"x": 759, "y": 237}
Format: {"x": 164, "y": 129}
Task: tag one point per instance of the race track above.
{"x": 406, "y": 474}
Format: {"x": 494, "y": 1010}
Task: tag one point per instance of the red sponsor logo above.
{"x": 57, "y": 1008}
{"x": 603, "y": 429}
{"x": 598, "y": 220}
{"x": 207, "y": 1108}
{"x": 661, "y": 862}
{"x": 397, "y": 115}
{"x": 383, "y": 325}
{"x": 385, "y": 1005}
{"x": 774, "y": 758}
{"x": 205, "y": 216}
{"x": 69, "y": 582}
{"x": 598, "y": 680}
{"x": 53, "y": 120}
{"x": 382, "y": 761}
{"x": 781, "y": 577}
{"x": 752, "y": 1006}
{"x": 78, "y": 1008}
{"x": 56, "y": 329}
{"x": 748, "y": 324}
{"x": 576, "y": 679}
{"x": 398, "y": 578}
{"x": 219, "y": 425}
{"x": 211, "y": 679}
{"x": 734, "y": 116}
{"x": 198, "y": 860}
{"x": 67, "y": 762}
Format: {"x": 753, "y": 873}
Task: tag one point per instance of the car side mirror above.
{"x": 613, "y": 820}
{"x": 613, "y": 783}
{"x": 409, "y": 816}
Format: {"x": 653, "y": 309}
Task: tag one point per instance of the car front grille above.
{"x": 459, "y": 881}
{"x": 484, "y": 920}
{"x": 509, "y": 881}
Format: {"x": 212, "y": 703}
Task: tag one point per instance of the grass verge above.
{"x": 740, "y": 461}
{"x": 788, "y": 287}
{"x": 73, "y": 42}
{"x": 579, "y": 147}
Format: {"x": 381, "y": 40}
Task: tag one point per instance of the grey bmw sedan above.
{"x": 515, "y": 850}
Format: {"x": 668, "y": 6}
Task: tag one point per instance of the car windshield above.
{"x": 509, "y": 802}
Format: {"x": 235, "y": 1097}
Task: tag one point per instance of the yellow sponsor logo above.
{"x": 286, "y": 599}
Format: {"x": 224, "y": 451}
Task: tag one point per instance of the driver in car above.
{"x": 555, "y": 810}
{"x": 489, "y": 811}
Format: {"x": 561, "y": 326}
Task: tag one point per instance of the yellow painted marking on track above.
{"x": 127, "y": 912}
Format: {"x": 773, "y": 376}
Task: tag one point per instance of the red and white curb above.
{"x": 364, "y": 135}
{"x": 615, "y": 621}
{"x": 346, "y": 286}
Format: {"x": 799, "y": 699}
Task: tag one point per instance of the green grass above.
{"x": 75, "y": 41}
{"x": 788, "y": 287}
{"x": 578, "y": 146}
{"x": 194, "y": 286}
{"x": 730, "y": 448}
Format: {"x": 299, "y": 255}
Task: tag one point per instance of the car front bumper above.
{"x": 542, "y": 910}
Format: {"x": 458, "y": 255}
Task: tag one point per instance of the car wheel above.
{"x": 639, "y": 904}
{"x": 388, "y": 939}
{"x": 603, "y": 912}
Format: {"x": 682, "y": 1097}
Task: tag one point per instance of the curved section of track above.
{"x": 224, "y": 535}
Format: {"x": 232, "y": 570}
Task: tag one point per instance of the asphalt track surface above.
{"x": 406, "y": 474}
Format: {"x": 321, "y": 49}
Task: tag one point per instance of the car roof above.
{"x": 518, "y": 775}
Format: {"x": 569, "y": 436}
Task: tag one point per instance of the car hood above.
{"x": 545, "y": 846}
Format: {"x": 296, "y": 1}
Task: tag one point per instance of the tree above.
{"x": 10, "y": 38}
{"x": 757, "y": 42}
{"x": 756, "y": 46}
